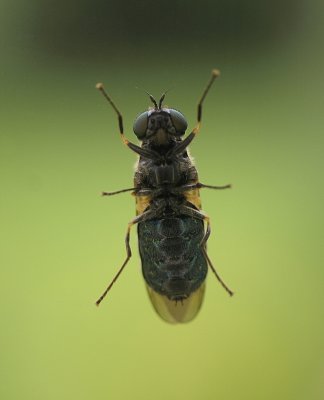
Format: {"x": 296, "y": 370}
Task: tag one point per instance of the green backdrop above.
{"x": 61, "y": 242}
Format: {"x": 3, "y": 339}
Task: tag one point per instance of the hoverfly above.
{"x": 170, "y": 223}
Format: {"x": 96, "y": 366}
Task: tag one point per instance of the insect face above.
{"x": 160, "y": 125}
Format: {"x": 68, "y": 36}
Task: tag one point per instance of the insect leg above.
{"x": 202, "y": 185}
{"x": 185, "y": 143}
{"x": 199, "y": 215}
{"x": 215, "y": 74}
{"x": 137, "y": 149}
{"x": 146, "y": 215}
{"x": 198, "y": 185}
{"x": 179, "y": 189}
{"x": 117, "y": 192}
{"x": 136, "y": 191}
{"x": 129, "y": 254}
{"x": 180, "y": 148}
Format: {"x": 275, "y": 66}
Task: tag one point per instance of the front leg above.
{"x": 185, "y": 143}
{"x": 152, "y": 155}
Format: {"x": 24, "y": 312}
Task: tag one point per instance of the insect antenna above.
{"x": 150, "y": 96}
{"x": 163, "y": 97}
{"x": 153, "y": 101}
{"x": 161, "y": 100}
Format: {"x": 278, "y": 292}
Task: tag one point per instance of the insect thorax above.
{"x": 152, "y": 174}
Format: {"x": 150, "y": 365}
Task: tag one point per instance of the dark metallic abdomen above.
{"x": 172, "y": 261}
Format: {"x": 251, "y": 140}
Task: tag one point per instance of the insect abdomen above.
{"x": 172, "y": 261}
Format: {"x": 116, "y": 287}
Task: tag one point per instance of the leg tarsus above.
{"x": 117, "y": 192}
{"x": 202, "y": 185}
{"x": 129, "y": 255}
{"x": 215, "y": 74}
{"x": 228, "y": 290}
{"x": 112, "y": 282}
{"x": 198, "y": 185}
{"x": 203, "y": 248}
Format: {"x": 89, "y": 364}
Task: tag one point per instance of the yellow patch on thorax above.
{"x": 193, "y": 197}
{"x": 142, "y": 202}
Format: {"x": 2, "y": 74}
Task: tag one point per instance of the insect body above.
{"x": 171, "y": 234}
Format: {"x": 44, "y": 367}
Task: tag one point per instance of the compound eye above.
{"x": 179, "y": 121}
{"x": 140, "y": 125}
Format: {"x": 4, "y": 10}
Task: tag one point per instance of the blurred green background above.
{"x": 62, "y": 242}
